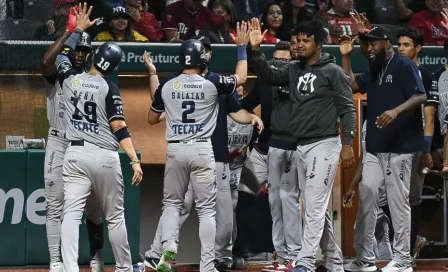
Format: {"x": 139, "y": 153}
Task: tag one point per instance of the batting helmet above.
{"x": 192, "y": 53}
{"x": 85, "y": 41}
{"x": 107, "y": 57}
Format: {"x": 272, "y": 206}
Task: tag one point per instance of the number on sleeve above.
{"x": 103, "y": 64}
{"x": 187, "y": 60}
{"x": 89, "y": 111}
{"x": 189, "y": 107}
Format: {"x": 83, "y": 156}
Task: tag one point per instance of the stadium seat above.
{"x": 37, "y": 10}
{"x": 19, "y": 30}
{"x": 393, "y": 29}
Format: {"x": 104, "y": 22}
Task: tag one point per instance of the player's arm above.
{"x": 343, "y": 100}
{"x": 157, "y": 108}
{"x": 346, "y": 48}
{"x": 47, "y": 67}
{"x": 240, "y": 115}
{"x": 252, "y": 100}
{"x": 261, "y": 68}
{"x": 432, "y": 101}
{"x": 413, "y": 89}
{"x": 63, "y": 64}
{"x": 153, "y": 80}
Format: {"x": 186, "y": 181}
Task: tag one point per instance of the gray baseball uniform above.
{"x": 91, "y": 162}
{"x": 54, "y": 156}
{"x": 254, "y": 174}
{"x": 443, "y": 106}
{"x": 191, "y": 106}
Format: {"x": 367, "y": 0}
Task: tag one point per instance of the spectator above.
{"x": 184, "y": 19}
{"x": 120, "y": 28}
{"x": 144, "y": 22}
{"x": 247, "y": 9}
{"x": 429, "y": 22}
{"x": 223, "y": 22}
{"x": 338, "y": 20}
{"x": 55, "y": 27}
{"x": 156, "y": 7}
{"x": 407, "y": 8}
{"x": 294, "y": 13}
{"x": 272, "y": 20}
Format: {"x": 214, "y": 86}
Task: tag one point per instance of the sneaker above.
{"x": 56, "y": 267}
{"x": 238, "y": 263}
{"x": 223, "y": 267}
{"x": 151, "y": 262}
{"x": 420, "y": 243}
{"x": 166, "y": 261}
{"x": 288, "y": 265}
{"x": 138, "y": 267}
{"x": 360, "y": 266}
{"x": 270, "y": 267}
{"x": 393, "y": 266}
{"x": 322, "y": 268}
{"x": 96, "y": 266}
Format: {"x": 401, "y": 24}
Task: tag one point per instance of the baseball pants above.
{"x": 417, "y": 181}
{"x": 389, "y": 173}
{"x": 381, "y": 245}
{"x": 317, "y": 164}
{"x": 190, "y": 163}
{"x": 254, "y": 173}
{"x": 224, "y": 222}
{"x": 54, "y": 195}
{"x": 87, "y": 169}
{"x": 283, "y": 187}
{"x": 235, "y": 176}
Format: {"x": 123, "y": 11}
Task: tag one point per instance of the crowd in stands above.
{"x": 179, "y": 20}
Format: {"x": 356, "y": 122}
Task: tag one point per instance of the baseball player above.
{"x": 54, "y": 155}
{"x": 381, "y": 247}
{"x": 320, "y": 99}
{"x": 410, "y": 44}
{"x": 394, "y": 134}
{"x": 95, "y": 129}
{"x": 224, "y": 220}
{"x": 190, "y": 102}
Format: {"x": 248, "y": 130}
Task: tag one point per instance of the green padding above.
{"x": 36, "y": 246}
{"x": 12, "y": 207}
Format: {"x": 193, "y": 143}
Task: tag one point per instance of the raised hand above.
{"x": 362, "y": 24}
{"x": 242, "y": 33}
{"x": 346, "y": 46}
{"x": 256, "y": 36}
{"x": 148, "y": 62}
{"x": 82, "y": 17}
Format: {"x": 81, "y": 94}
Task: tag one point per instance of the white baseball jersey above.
{"x": 55, "y": 105}
{"x": 239, "y": 137}
{"x": 363, "y": 139}
{"x": 443, "y": 97}
{"x": 190, "y": 103}
{"x": 91, "y": 102}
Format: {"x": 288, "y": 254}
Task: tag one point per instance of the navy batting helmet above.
{"x": 85, "y": 41}
{"x": 192, "y": 53}
{"x": 107, "y": 57}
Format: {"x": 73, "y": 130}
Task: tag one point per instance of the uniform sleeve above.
{"x": 252, "y": 100}
{"x": 169, "y": 20}
{"x": 224, "y": 84}
{"x": 430, "y": 83}
{"x": 412, "y": 83}
{"x": 52, "y": 78}
{"x": 276, "y": 77}
{"x": 233, "y": 105}
{"x": 158, "y": 105}
{"x": 114, "y": 104}
{"x": 63, "y": 66}
{"x": 362, "y": 80}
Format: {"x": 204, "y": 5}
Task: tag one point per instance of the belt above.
{"x": 77, "y": 143}
{"x": 57, "y": 132}
{"x": 199, "y": 140}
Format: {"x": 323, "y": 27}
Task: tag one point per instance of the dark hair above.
{"x": 282, "y": 46}
{"x": 264, "y": 17}
{"x": 314, "y": 29}
{"x": 413, "y": 34}
{"x": 128, "y": 32}
{"x": 228, "y": 6}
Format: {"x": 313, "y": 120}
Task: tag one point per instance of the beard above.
{"x": 377, "y": 65}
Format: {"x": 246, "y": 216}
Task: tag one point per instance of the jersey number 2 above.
{"x": 189, "y": 107}
{"x": 89, "y": 111}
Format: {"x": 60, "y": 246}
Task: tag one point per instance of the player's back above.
{"x": 86, "y": 100}
{"x": 191, "y": 107}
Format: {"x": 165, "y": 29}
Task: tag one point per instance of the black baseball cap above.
{"x": 377, "y": 33}
{"x": 205, "y": 41}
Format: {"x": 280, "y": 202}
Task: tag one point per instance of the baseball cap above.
{"x": 205, "y": 41}
{"x": 377, "y": 33}
{"x": 119, "y": 10}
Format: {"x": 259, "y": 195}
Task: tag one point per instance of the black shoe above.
{"x": 151, "y": 262}
{"x": 322, "y": 268}
{"x": 223, "y": 267}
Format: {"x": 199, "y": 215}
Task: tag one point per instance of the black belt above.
{"x": 200, "y": 140}
{"x": 77, "y": 143}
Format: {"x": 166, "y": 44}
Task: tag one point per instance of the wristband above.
{"x": 427, "y": 144}
{"x": 122, "y": 134}
{"x": 242, "y": 54}
{"x": 134, "y": 162}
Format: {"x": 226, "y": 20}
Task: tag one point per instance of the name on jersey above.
{"x": 187, "y": 129}
{"x": 238, "y": 139}
{"x": 188, "y": 96}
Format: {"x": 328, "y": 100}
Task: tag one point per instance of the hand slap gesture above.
{"x": 242, "y": 33}
{"x": 82, "y": 17}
